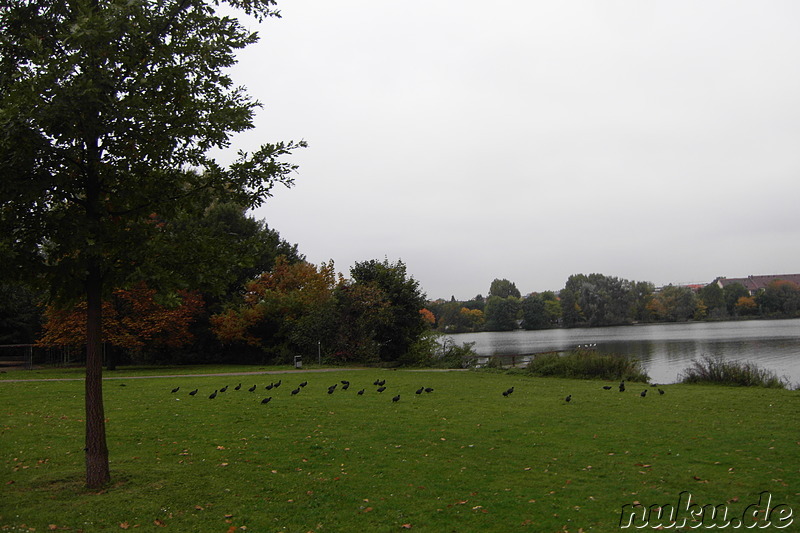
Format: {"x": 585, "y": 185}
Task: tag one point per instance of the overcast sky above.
{"x": 531, "y": 140}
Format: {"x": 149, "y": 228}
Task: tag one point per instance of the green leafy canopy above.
{"x": 109, "y": 110}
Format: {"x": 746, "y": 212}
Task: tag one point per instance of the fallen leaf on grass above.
{"x": 52, "y": 527}
{"x": 124, "y": 525}
{"x": 406, "y": 526}
{"x": 159, "y": 523}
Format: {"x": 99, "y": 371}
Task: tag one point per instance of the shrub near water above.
{"x": 587, "y": 364}
{"x": 716, "y": 370}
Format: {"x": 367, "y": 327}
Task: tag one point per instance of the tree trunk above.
{"x": 97, "y": 469}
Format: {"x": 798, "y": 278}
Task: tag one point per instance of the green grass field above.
{"x": 463, "y": 458}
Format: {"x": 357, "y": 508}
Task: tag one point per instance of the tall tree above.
{"x": 405, "y": 299}
{"x": 781, "y": 296}
{"x": 109, "y": 110}
{"x": 534, "y": 312}
{"x": 570, "y": 308}
{"x": 503, "y": 288}
{"x": 641, "y": 292}
{"x": 673, "y": 304}
{"x": 240, "y": 247}
{"x": 714, "y": 299}
{"x": 596, "y": 300}
{"x": 501, "y": 313}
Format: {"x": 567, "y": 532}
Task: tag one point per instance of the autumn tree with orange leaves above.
{"x": 274, "y": 305}
{"x": 134, "y": 319}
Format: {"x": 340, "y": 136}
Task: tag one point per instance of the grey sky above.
{"x": 650, "y": 140}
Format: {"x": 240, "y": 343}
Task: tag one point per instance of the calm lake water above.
{"x": 664, "y": 349}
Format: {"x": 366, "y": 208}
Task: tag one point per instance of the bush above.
{"x": 743, "y": 373}
{"x": 451, "y": 355}
{"x": 587, "y": 364}
{"x": 435, "y": 350}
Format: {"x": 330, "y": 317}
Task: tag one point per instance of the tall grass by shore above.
{"x": 715, "y": 370}
{"x": 587, "y": 364}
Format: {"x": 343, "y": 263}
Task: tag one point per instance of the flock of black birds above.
{"x": 621, "y": 388}
{"x": 381, "y": 386}
{"x": 343, "y": 385}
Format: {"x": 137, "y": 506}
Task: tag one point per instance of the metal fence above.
{"x": 29, "y": 355}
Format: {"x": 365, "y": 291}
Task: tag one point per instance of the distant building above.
{"x": 753, "y": 284}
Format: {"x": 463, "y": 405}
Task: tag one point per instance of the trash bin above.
{"x": 298, "y": 361}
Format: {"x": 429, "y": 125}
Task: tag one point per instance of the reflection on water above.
{"x": 664, "y": 349}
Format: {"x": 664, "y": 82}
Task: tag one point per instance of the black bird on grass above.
{"x": 269, "y": 387}
{"x": 266, "y": 400}
{"x": 428, "y": 389}
{"x": 643, "y": 393}
{"x": 420, "y": 390}
{"x": 376, "y": 382}
{"x": 607, "y": 387}
{"x": 237, "y": 387}
{"x": 223, "y": 389}
{"x": 361, "y": 392}
{"x": 346, "y": 386}
{"x": 278, "y": 383}
{"x": 213, "y": 395}
{"x": 331, "y": 389}
{"x": 175, "y": 389}
{"x": 345, "y": 382}
{"x": 382, "y": 382}
{"x": 251, "y": 389}
{"x": 381, "y": 389}
{"x": 622, "y": 386}
{"x": 506, "y": 393}
{"x": 396, "y": 398}
{"x": 568, "y": 398}
{"x": 193, "y": 392}
{"x": 296, "y": 391}
{"x": 660, "y": 391}
{"x": 303, "y": 384}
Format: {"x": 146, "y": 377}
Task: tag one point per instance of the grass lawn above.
{"x": 462, "y": 458}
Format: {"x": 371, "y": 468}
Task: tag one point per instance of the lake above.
{"x": 664, "y": 349}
